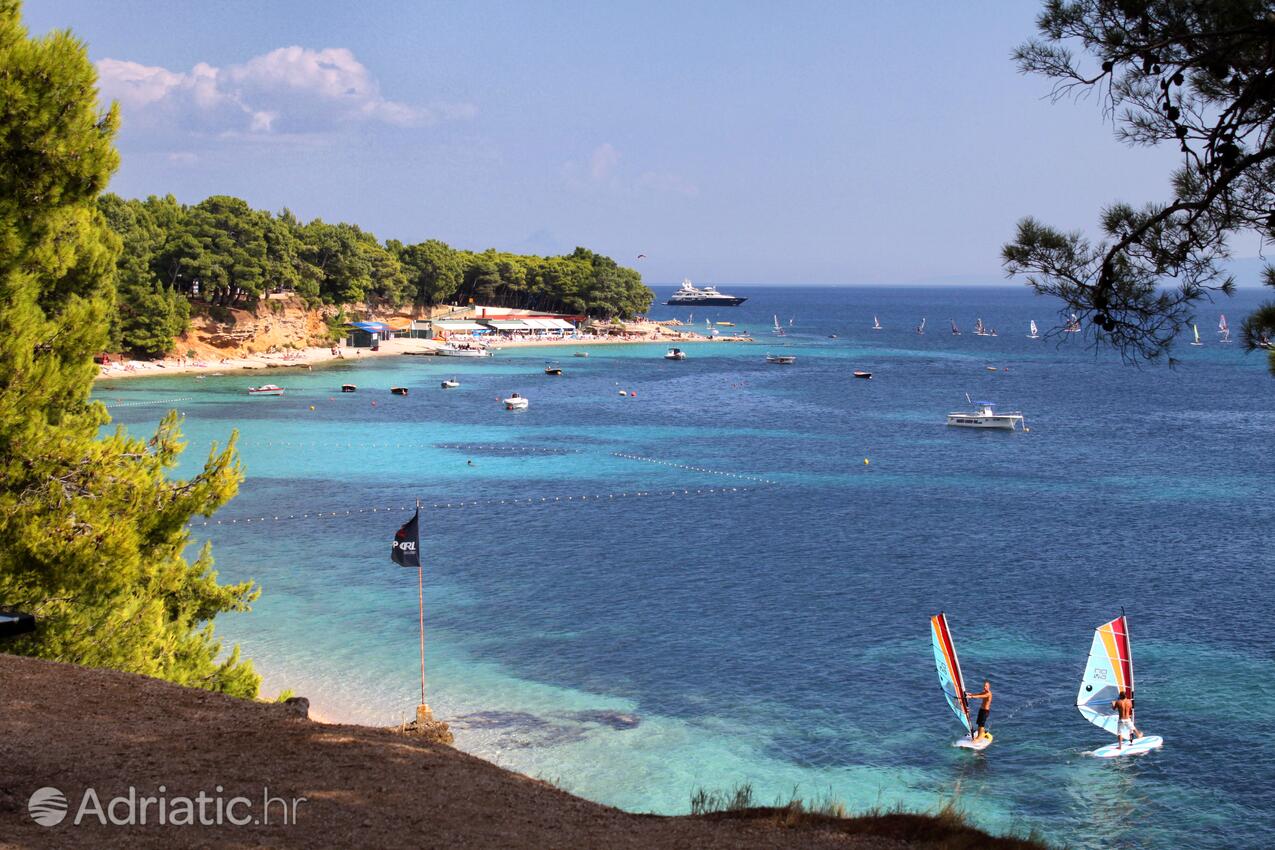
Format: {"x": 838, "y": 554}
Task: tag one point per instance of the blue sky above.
{"x": 841, "y": 142}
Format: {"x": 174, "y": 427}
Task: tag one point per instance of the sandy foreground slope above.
{"x": 73, "y": 728}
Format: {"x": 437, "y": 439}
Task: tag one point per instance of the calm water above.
{"x": 633, "y": 648}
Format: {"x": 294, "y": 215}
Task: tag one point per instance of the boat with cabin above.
{"x": 265, "y": 389}
{"x": 782, "y": 359}
{"x": 465, "y": 349}
{"x": 552, "y": 368}
{"x": 451, "y": 384}
{"x": 516, "y": 402}
{"x": 707, "y": 296}
{"x": 986, "y": 416}
{"x": 349, "y": 388}
{"x": 675, "y": 354}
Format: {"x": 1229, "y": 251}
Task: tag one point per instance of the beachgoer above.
{"x": 1124, "y": 726}
{"x": 986, "y": 696}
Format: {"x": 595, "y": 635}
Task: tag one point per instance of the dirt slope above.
{"x": 74, "y": 728}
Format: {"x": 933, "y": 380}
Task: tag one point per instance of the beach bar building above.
{"x": 366, "y": 334}
{"x": 451, "y": 328}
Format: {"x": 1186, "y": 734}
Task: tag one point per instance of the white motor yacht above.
{"x": 986, "y": 416}
{"x": 516, "y": 402}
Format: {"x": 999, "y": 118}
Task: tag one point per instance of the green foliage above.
{"x": 1194, "y": 75}
{"x": 92, "y": 528}
{"x": 225, "y": 254}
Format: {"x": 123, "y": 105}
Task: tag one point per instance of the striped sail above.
{"x": 1108, "y": 672}
{"x": 949, "y": 668}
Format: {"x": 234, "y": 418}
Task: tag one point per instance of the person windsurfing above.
{"x": 986, "y": 696}
{"x": 1124, "y": 707}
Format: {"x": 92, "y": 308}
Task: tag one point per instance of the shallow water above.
{"x": 768, "y": 623}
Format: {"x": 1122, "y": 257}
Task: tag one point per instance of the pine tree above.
{"x": 92, "y": 528}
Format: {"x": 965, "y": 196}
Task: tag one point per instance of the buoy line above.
{"x": 146, "y": 403}
{"x": 379, "y": 445}
{"x": 690, "y": 468}
{"x": 483, "y": 503}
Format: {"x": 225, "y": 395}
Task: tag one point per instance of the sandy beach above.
{"x": 324, "y": 355}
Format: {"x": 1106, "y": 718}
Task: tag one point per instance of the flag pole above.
{"x": 420, "y": 590}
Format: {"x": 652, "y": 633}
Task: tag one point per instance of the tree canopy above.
{"x": 92, "y": 528}
{"x": 222, "y": 252}
{"x": 1196, "y": 75}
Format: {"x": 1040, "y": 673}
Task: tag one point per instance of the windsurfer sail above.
{"x": 949, "y": 667}
{"x": 1108, "y": 676}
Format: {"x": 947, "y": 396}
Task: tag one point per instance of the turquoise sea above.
{"x": 704, "y": 585}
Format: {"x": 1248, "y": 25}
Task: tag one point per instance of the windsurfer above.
{"x": 1124, "y": 707}
{"x": 986, "y": 696}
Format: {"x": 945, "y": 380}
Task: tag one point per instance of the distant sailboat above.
{"x": 876, "y": 323}
{"x": 779, "y": 330}
{"x": 1035, "y": 334}
{"x": 950, "y": 680}
{"x": 921, "y": 327}
{"x": 979, "y": 328}
{"x": 1108, "y": 674}
{"x": 1223, "y": 329}
{"x": 955, "y": 330}
{"x": 791, "y": 320}
{"x": 1073, "y": 325}
{"x": 1196, "y": 329}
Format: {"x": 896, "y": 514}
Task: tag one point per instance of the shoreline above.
{"x": 312, "y": 356}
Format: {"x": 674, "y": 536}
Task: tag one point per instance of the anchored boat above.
{"x": 986, "y": 416}
{"x": 265, "y": 389}
{"x": 782, "y": 359}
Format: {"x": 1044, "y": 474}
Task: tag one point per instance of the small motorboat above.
{"x": 783, "y": 359}
{"x": 867, "y": 376}
{"x": 516, "y": 402}
{"x": 451, "y": 384}
{"x": 675, "y": 354}
{"x": 832, "y": 336}
{"x": 990, "y": 368}
{"x": 349, "y": 388}
{"x": 581, "y": 354}
{"x": 398, "y": 390}
{"x": 552, "y": 368}
{"x": 265, "y": 389}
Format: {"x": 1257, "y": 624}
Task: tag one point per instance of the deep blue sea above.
{"x": 769, "y": 623}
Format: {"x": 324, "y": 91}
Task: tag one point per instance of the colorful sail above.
{"x": 1108, "y": 672}
{"x": 949, "y": 668}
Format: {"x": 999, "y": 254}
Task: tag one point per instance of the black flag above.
{"x": 407, "y": 543}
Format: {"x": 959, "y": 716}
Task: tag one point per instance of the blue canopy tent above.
{"x": 367, "y": 334}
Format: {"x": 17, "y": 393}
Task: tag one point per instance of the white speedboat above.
{"x": 516, "y": 402}
{"x": 265, "y": 389}
{"x": 986, "y": 416}
{"x": 451, "y": 350}
{"x": 675, "y": 354}
{"x": 784, "y": 359}
{"x": 451, "y": 384}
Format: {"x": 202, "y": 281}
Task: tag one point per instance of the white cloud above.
{"x": 602, "y": 171}
{"x": 603, "y": 160}
{"x": 288, "y": 91}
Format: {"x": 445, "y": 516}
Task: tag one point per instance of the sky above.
{"x": 732, "y": 142}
